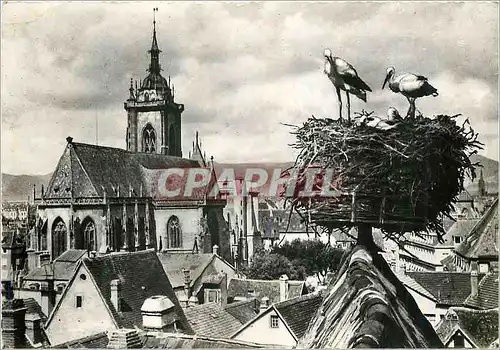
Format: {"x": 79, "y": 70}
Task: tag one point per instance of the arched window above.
{"x": 88, "y": 234}
{"x": 174, "y": 236}
{"x": 149, "y": 139}
{"x": 59, "y": 232}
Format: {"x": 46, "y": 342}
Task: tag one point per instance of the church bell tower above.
{"x": 154, "y": 118}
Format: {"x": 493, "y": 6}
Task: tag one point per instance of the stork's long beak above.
{"x": 385, "y": 81}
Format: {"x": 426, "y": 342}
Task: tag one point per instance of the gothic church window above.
{"x": 88, "y": 234}
{"x": 149, "y": 139}
{"x": 59, "y": 232}
{"x": 174, "y": 236}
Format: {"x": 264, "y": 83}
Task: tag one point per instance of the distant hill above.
{"x": 19, "y": 187}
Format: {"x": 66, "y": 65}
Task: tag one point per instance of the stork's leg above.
{"x": 409, "y": 113}
{"x": 413, "y": 108}
{"x": 348, "y": 108}
{"x": 340, "y": 102}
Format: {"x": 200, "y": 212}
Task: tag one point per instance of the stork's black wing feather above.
{"x": 356, "y": 82}
{"x": 421, "y": 77}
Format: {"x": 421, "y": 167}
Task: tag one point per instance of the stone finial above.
{"x": 69, "y": 139}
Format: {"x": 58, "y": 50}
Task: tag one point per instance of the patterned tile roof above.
{"x": 480, "y": 326}
{"x": 178, "y": 341}
{"x": 487, "y": 296}
{"x": 298, "y": 312}
{"x": 448, "y": 288}
{"x": 57, "y": 270}
{"x": 173, "y": 263}
{"x": 141, "y": 275}
{"x": 72, "y": 255}
{"x": 244, "y": 310}
{"x": 81, "y": 173}
{"x": 461, "y": 227}
{"x": 211, "y": 320}
{"x": 367, "y": 306}
{"x": 95, "y": 341}
{"x": 262, "y": 288}
{"x": 482, "y": 241}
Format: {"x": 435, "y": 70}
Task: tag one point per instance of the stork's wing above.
{"x": 349, "y": 74}
{"x": 421, "y": 77}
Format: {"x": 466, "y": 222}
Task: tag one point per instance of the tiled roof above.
{"x": 461, "y": 227}
{"x": 449, "y": 288}
{"x": 482, "y": 241}
{"x": 173, "y": 263}
{"x": 487, "y": 296}
{"x": 95, "y": 341}
{"x": 412, "y": 284}
{"x": 61, "y": 269}
{"x": 123, "y": 169}
{"x": 481, "y": 326}
{"x": 178, "y": 341}
{"x": 298, "y": 312}
{"x": 211, "y": 320}
{"x": 244, "y": 310}
{"x": 72, "y": 255}
{"x": 367, "y": 306}
{"x": 34, "y": 308}
{"x": 141, "y": 276}
{"x": 262, "y": 288}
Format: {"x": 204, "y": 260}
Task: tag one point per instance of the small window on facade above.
{"x": 457, "y": 239}
{"x": 79, "y": 301}
{"x": 275, "y": 322}
{"x": 212, "y": 296}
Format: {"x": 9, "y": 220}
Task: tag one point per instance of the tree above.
{"x": 316, "y": 257}
{"x": 270, "y": 266}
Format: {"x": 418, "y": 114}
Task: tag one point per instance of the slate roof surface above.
{"x": 95, "y": 341}
{"x": 367, "y": 306}
{"x": 482, "y": 241}
{"x": 481, "y": 326}
{"x": 141, "y": 276}
{"x": 262, "y": 288}
{"x": 244, "y": 310}
{"x": 178, "y": 341}
{"x": 61, "y": 269}
{"x": 299, "y": 311}
{"x": 211, "y": 320}
{"x": 173, "y": 263}
{"x": 461, "y": 227}
{"x": 487, "y": 296}
{"x": 449, "y": 288}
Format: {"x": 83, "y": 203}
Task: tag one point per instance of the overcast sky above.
{"x": 240, "y": 69}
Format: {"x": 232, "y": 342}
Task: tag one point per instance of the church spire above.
{"x": 154, "y": 66}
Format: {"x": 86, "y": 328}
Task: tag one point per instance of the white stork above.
{"x": 410, "y": 85}
{"x": 344, "y": 77}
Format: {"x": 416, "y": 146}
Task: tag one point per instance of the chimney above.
{"x": 474, "y": 279}
{"x": 115, "y": 293}
{"x": 158, "y": 314}
{"x": 34, "y": 328}
{"x": 283, "y": 287}
{"x": 184, "y": 299}
{"x": 193, "y": 301}
{"x": 13, "y": 326}
{"x": 124, "y": 339}
{"x": 215, "y": 249}
{"x": 264, "y": 304}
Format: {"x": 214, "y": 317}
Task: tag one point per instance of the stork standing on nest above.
{"x": 344, "y": 77}
{"x": 410, "y": 85}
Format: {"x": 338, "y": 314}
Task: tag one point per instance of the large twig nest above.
{"x": 401, "y": 179}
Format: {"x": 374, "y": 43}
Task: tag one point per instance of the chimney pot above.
{"x": 158, "y": 313}
{"x": 283, "y": 287}
{"x": 264, "y": 304}
{"x": 215, "y": 249}
{"x": 115, "y": 293}
{"x": 474, "y": 279}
